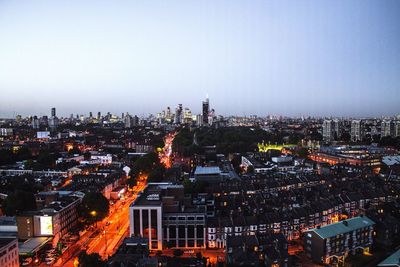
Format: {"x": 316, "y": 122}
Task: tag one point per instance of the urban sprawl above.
{"x": 183, "y": 189}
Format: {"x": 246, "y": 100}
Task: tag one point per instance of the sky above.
{"x": 318, "y": 58}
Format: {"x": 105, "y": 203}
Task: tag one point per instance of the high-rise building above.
{"x": 130, "y": 121}
{"x": 328, "y": 130}
{"x": 337, "y": 129}
{"x": 206, "y": 111}
{"x": 357, "y": 131}
{"x": 397, "y": 129}
{"x": 35, "y": 123}
{"x": 331, "y": 130}
{"x": 99, "y": 115}
{"x": 178, "y": 114}
{"x": 387, "y": 128}
{"x": 53, "y": 122}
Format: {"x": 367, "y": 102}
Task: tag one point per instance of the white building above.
{"x": 146, "y": 220}
{"x": 102, "y": 159}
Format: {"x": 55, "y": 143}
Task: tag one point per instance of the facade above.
{"x": 9, "y": 252}
{"x": 333, "y": 242}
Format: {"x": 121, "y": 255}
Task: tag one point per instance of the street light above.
{"x": 94, "y": 213}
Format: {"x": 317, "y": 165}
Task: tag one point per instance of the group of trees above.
{"x": 94, "y": 207}
{"x": 45, "y": 160}
{"x": 228, "y": 139}
{"x": 194, "y": 187}
{"x": 9, "y": 156}
{"x": 90, "y": 260}
{"x": 149, "y": 165}
{"x": 20, "y": 191}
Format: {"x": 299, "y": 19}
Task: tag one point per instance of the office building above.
{"x": 332, "y": 243}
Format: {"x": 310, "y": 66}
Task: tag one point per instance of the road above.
{"x": 104, "y": 239}
{"x": 166, "y": 153}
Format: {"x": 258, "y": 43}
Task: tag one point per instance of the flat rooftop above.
{"x": 207, "y": 170}
{"x": 32, "y": 245}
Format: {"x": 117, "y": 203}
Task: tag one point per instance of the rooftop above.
{"x": 4, "y": 241}
{"x": 392, "y": 260}
{"x": 343, "y": 227}
{"x": 207, "y": 170}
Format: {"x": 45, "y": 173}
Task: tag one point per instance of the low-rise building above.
{"x": 9, "y": 252}
{"x": 333, "y": 242}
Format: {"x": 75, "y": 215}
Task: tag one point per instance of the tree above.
{"x": 131, "y": 182}
{"x": 302, "y": 152}
{"x": 90, "y": 260}
{"x": 19, "y": 201}
{"x": 87, "y": 155}
{"x": 94, "y": 207}
{"x": 178, "y": 252}
{"x": 250, "y": 169}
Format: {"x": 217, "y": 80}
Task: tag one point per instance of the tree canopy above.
{"x": 90, "y": 260}
{"x": 18, "y": 201}
{"x": 94, "y": 207}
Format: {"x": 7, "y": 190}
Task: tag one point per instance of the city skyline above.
{"x": 319, "y": 59}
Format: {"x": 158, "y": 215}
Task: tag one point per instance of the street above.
{"x": 104, "y": 239}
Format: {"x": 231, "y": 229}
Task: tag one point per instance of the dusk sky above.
{"x": 339, "y": 58}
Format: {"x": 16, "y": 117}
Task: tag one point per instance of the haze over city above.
{"x": 339, "y": 58}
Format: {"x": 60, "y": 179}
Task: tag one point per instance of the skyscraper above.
{"x": 206, "y": 111}
{"x": 53, "y": 112}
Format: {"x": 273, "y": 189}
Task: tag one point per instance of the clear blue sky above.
{"x": 251, "y": 57}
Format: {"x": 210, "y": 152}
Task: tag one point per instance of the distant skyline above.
{"x": 293, "y": 58}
